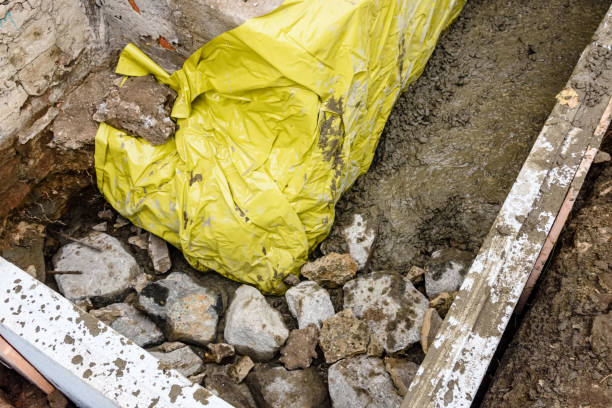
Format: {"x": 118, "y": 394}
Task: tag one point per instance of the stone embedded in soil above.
{"x": 390, "y": 305}
{"x": 105, "y": 275}
{"x": 239, "y": 370}
{"x": 360, "y": 236}
{"x": 25, "y": 249}
{"x": 218, "y": 351}
{"x": 252, "y": 326}
{"x": 309, "y": 304}
{"x": 601, "y": 337}
{"x": 130, "y": 322}
{"x": 445, "y": 271}
{"x": 276, "y": 387}
{"x": 331, "y": 271}
{"x": 300, "y": 348}
{"x": 431, "y": 325}
{"x": 361, "y": 381}
{"x": 343, "y": 335}
{"x": 141, "y": 108}
{"x": 186, "y": 310}
{"x": 184, "y": 360}
{"x": 138, "y": 241}
{"x": 158, "y": 251}
{"x": 402, "y": 372}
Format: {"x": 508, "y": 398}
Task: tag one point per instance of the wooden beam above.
{"x": 461, "y": 352}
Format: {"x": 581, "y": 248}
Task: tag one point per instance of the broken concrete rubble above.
{"x": 133, "y": 324}
{"x": 331, "y": 271}
{"x": 300, "y": 348}
{"x": 431, "y": 324}
{"x": 309, "y": 304}
{"x": 183, "y": 359}
{"x": 361, "y": 381}
{"x": 141, "y": 107}
{"x": 186, "y": 310}
{"x": 106, "y": 275}
{"x": 276, "y": 387}
{"x": 252, "y": 326}
{"x": 343, "y": 335}
{"x": 390, "y": 305}
{"x": 240, "y": 369}
{"x": 402, "y": 372}
{"x": 445, "y": 271}
{"x": 218, "y": 352}
{"x": 158, "y": 251}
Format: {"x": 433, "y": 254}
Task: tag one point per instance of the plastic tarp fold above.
{"x": 276, "y": 119}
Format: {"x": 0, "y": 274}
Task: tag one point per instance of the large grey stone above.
{"x": 445, "y": 271}
{"x": 276, "y": 387}
{"x": 186, "y": 310}
{"x": 184, "y": 360}
{"x": 390, "y": 305}
{"x": 361, "y": 381}
{"x": 105, "y": 275}
{"x": 130, "y": 322}
{"x": 252, "y": 326}
{"x": 309, "y": 303}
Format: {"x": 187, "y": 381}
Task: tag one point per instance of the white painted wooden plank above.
{"x": 458, "y": 359}
{"x": 89, "y": 362}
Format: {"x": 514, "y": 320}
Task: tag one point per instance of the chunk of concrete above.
{"x": 343, "y": 335}
{"x": 276, "y": 387}
{"x": 445, "y": 271}
{"x": 360, "y": 238}
{"x": 186, "y": 310}
{"x": 331, "y": 271}
{"x": 240, "y": 369}
{"x": 390, "y": 305}
{"x": 223, "y": 387}
{"x": 361, "y": 381}
{"x": 158, "y": 251}
{"x": 218, "y": 351}
{"x": 141, "y": 107}
{"x": 252, "y": 326}
{"x": 402, "y": 372}
{"x": 300, "y": 348}
{"x": 184, "y": 360}
{"x": 309, "y": 304}
{"x": 106, "y": 275}
{"x": 130, "y": 322}
{"x": 431, "y": 324}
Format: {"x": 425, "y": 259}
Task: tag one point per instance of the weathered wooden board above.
{"x": 459, "y": 357}
{"x": 89, "y": 362}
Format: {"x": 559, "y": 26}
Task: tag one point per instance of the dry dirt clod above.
{"x": 141, "y": 108}
{"x": 331, "y": 271}
{"x": 601, "y": 337}
{"x": 343, "y": 335}
{"x": 240, "y": 369}
{"x": 300, "y": 348}
{"x": 431, "y": 325}
{"x": 218, "y": 351}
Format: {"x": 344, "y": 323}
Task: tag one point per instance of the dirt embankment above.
{"x": 561, "y": 354}
{"x": 458, "y": 136}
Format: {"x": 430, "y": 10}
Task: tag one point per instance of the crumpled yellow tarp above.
{"x": 276, "y": 119}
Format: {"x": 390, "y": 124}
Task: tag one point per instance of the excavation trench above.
{"x": 450, "y": 152}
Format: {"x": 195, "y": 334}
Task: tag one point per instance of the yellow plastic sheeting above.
{"x": 276, "y": 119}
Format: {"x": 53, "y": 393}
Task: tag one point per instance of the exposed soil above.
{"x": 561, "y": 354}
{"x": 458, "y": 136}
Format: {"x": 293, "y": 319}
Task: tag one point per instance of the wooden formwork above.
{"x": 97, "y": 367}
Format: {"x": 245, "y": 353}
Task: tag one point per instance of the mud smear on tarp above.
{"x": 458, "y": 136}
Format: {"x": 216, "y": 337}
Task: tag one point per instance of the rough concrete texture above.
{"x": 309, "y": 304}
{"x": 133, "y": 324}
{"x": 140, "y": 107}
{"x": 238, "y": 394}
{"x": 343, "y": 335}
{"x": 183, "y": 359}
{"x": 240, "y": 369}
{"x": 186, "y": 310}
{"x": 390, "y": 305}
{"x": 275, "y": 387}
{"x": 445, "y": 271}
{"x": 252, "y": 326}
{"x": 331, "y": 271}
{"x": 361, "y": 382}
{"x": 300, "y": 348}
{"x": 561, "y": 353}
{"x": 218, "y": 351}
{"x": 458, "y": 136}
{"x": 105, "y": 275}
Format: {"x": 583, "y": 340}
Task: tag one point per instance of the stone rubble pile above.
{"x": 303, "y": 349}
